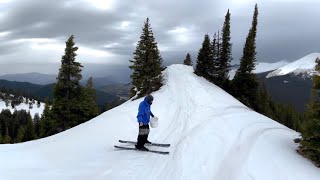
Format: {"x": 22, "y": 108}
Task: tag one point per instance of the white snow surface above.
{"x": 212, "y": 136}
{"x": 35, "y": 109}
{"x": 262, "y": 67}
{"x": 305, "y": 65}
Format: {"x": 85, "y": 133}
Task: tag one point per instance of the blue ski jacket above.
{"x": 144, "y": 112}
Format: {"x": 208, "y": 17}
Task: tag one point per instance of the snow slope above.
{"x": 262, "y": 67}
{"x": 212, "y": 136}
{"x": 35, "y": 109}
{"x": 304, "y": 65}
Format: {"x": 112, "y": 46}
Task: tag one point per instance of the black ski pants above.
{"x": 143, "y": 135}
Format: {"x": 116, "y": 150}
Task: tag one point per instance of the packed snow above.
{"x": 34, "y": 110}
{"x": 212, "y": 136}
{"x": 262, "y": 67}
{"x": 305, "y": 65}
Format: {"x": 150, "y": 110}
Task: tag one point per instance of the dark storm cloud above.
{"x": 287, "y": 29}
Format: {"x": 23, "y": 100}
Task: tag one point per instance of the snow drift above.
{"x": 212, "y": 136}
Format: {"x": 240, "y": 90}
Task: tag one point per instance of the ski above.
{"x": 132, "y": 148}
{"x": 148, "y": 144}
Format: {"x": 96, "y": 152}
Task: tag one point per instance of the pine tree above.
{"x": 29, "y": 133}
{"x": 310, "y": 146}
{"x": 204, "y": 60}
{"x": 187, "y": 61}
{"x": 147, "y": 64}
{"x": 7, "y": 139}
{"x": 20, "y": 135}
{"x": 47, "y": 123}
{"x": 67, "y": 89}
{"x": 88, "y": 106}
{"x": 225, "y": 53}
{"x": 215, "y": 50}
{"x": 245, "y": 84}
{"x": 37, "y": 125}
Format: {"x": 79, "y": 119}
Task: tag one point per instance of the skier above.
{"x": 143, "y": 120}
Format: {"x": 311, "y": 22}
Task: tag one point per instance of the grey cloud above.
{"x": 285, "y": 31}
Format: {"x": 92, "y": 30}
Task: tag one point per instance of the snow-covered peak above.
{"x": 304, "y": 65}
{"x": 262, "y": 67}
{"x": 212, "y": 136}
{"x": 265, "y": 67}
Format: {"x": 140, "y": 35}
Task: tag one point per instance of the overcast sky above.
{"x": 33, "y": 32}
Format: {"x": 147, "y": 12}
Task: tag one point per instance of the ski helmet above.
{"x": 149, "y": 99}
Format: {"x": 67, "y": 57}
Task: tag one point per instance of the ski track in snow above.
{"x": 212, "y": 136}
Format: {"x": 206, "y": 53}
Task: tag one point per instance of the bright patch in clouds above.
{"x": 101, "y": 4}
{"x": 5, "y": 1}
{"x": 182, "y": 34}
{"x": 178, "y": 30}
{"x": 111, "y": 45}
{"x": 123, "y": 25}
{"x": 57, "y": 47}
{"x": 4, "y": 34}
{"x": 242, "y": 2}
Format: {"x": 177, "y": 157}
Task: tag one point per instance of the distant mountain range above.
{"x": 34, "y": 78}
{"x": 288, "y": 89}
{"x": 43, "y": 79}
{"x": 288, "y": 83}
{"x": 43, "y": 91}
{"x": 292, "y": 83}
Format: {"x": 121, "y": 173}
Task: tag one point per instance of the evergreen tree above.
{"x": 7, "y": 139}
{"x": 225, "y": 54}
{"x": 20, "y": 135}
{"x": 215, "y": 49}
{"x": 67, "y": 89}
{"x": 245, "y": 84}
{"x": 187, "y": 61}
{"x": 29, "y": 133}
{"x": 204, "y": 60}
{"x": 310, "y": 146}
{"x": 46, "y": 120}
{"x": 37, "y": 125}
{"x": 89, "y": 107}
{"x": 147, "y": 64}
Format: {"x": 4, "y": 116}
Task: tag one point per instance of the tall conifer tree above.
{"x": 204, "y": 59}
{"x": 225, "y": 53}
{"x": 214, "y": 68}
{"x": 147, "y": 64}
{"x": 245, "y": 84}
{"x": 67, "y": 89}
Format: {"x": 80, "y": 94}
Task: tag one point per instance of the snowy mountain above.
{"x": 304, "y": 66}
{"x": 212, "y": 136}
{"x": 261, "y": 67}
